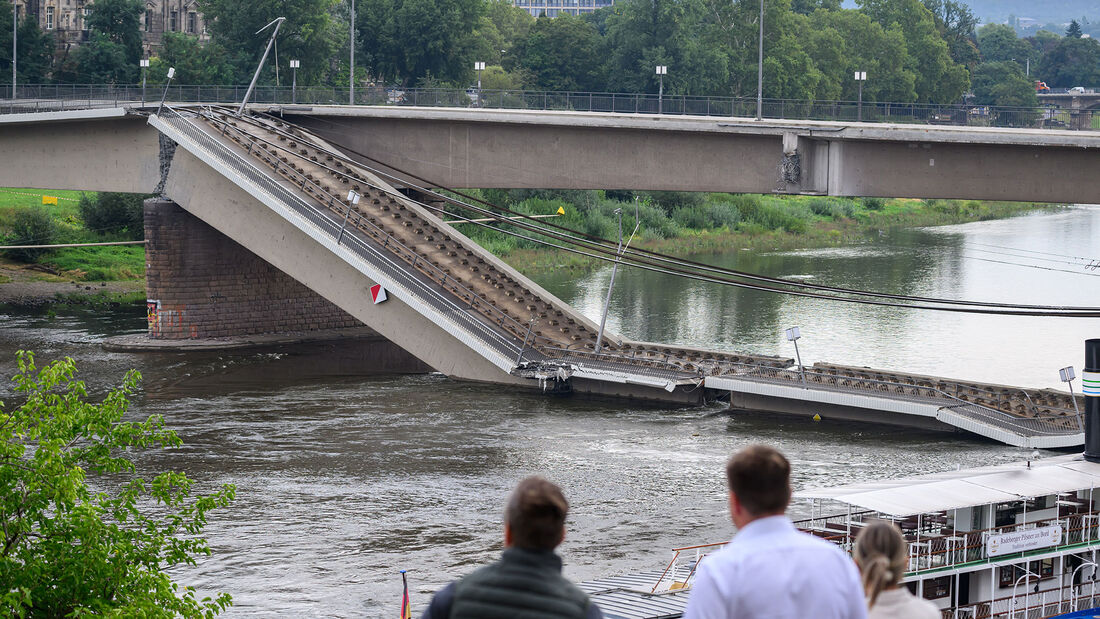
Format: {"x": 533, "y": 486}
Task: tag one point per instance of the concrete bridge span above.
{"x": 582, "y": 150}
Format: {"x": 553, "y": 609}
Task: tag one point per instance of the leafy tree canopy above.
{"x": 550, "y": 69}
{"x": 35, "y": 49}
{"x": 119, "y": 21}
{"x": 308, "y": 34}
{"x": 1003, "y": 84}
{"x": 1071, "y": 62}
{"x": 405, "y": 40}
{"x": 76, "y": 546}
{"x": 194, "y": 63}
{"x": 1074, "y": 30}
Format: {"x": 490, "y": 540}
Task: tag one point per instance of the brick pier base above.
{"x": 200, "y": 284}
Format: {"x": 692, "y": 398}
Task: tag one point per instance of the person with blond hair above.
{"x": 881, "y": 555}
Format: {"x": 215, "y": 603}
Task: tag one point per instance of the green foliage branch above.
{"x": 68, "y": 550}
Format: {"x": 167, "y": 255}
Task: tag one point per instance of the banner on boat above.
{"x": 1020, "y": 541}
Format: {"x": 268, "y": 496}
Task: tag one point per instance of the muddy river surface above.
{"x": 343, "y": 480}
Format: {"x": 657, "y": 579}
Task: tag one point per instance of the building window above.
{"x": 191, "y": 22}
{"x": 148, "y": 21}
{"x": 173, "y": 24}
{"x": 937, "y": 588}
{"x": 49, "y": 18}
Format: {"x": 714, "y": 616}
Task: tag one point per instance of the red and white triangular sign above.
{"x": 378, "y": 293}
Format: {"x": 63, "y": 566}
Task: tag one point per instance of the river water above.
{"x": 343, "y": 480}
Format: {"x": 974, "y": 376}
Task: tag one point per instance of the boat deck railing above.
{"x": 933, "y": 545}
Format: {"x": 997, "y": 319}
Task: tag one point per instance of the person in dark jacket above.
{"x": 526, "y": 583}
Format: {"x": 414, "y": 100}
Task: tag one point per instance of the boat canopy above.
{"x": 965, "y": 488}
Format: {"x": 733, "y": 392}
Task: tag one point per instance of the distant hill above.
{"x": 1053, "y": 11}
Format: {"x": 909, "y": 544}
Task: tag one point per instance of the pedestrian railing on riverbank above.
{"x": 47, "y": 97}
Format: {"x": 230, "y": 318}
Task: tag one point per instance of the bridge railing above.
{"x": 1037, "y": 423}
{"x": 43, "y": 97}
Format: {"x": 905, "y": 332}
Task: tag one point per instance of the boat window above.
{"x": 937, "y": 588}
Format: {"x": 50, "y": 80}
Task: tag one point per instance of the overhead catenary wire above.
{"x": 599, "y": 249}
{"x": 589, "y": 240}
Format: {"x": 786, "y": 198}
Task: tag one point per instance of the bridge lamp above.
{"x": 479, "y": 67}
{"x": 1067, "y": 375}
{"x": 171, "y": 74}
{"x": 294, "y": 64}
{"x": 861, "y": 76}
{"x": 353, "y": 197}
{"x": 144, "y": 62}
{"x": 792, "y": 336}
{"x": 661, "y": 72}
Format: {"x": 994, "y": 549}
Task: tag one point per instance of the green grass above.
{"x": 76, "y": 263}
{"x": 96, "y": 264}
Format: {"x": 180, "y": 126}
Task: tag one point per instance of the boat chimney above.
{"x": 1090, "y": 384}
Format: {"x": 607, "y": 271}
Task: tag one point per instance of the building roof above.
{"x": 964, "y": 488}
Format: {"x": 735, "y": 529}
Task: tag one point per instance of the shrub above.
{"x": 84, "y": 534}
{"x": 873, "y": 204}
{"x": 31, "y": 226}
{"x": 114, "y": 213}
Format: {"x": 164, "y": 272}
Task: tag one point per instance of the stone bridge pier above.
{"x": 203, "y": 288}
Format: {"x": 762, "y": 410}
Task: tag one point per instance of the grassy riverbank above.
{"x": 678, "y": 223}
{"x": 683, "y": 224}
{"x": 63, "y": 224}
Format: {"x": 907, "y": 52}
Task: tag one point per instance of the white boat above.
{"x": 1012, "y": 541}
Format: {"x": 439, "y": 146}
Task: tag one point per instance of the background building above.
{"x": 553, "y": 8}
{"x": 65, "y": 19}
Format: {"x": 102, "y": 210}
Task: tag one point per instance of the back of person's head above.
{"x": 881, "y": 555}
{"x": 760, "y": 477}
{"x": 536, "y": 514}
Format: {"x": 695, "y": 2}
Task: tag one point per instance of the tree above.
{"x": 110, "y": 212}
{"x": 30, "y": 226}
{"x": 35, "y": 49}
{"x": 1074, "y": 30}
{"x": 194, "y": 63}
{"x": 956, "y": 24}
{"x": 541, "y": 55}
{"x": 119, "y": 21}
{"x": 1071, "y": 62}
{"x": 939, "y": 78}
{"x": 807, "y": 7}
{"x": 642, "y": 34}
{"x": 1002, "y": 84}
{"x": 99, "y": 61}
{"x": 70, "y": 550}
{"x": 998, "y": 43}
{"x": 308, "y": 34}
{"x": 441, "y": 29}
{"x": 846, "y": 41}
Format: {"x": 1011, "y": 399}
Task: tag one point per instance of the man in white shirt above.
{"x": 771, "y": 569}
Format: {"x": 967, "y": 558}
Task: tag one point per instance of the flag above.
{"x": 561, "y": 210}
{"x": 406, "y": 612}
{"x": 49, "y": 200}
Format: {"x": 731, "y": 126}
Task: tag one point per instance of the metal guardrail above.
{"x": 1046, "y": 425}
{"x": 36, "y": 97}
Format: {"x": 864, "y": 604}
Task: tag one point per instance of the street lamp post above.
{"x": 14, "y": 46}
{"x": 351, "y": 76}
{"x": 760, "y": 69}
{"x": 861, "y": 76}
{"x": 171, "y": 74}
{"x": 662, "y": 70}
{"x": 1067, "y": 375}
{"x": 144, "y": 62}
{"x": 479, "y": 67}
{"x": 792, "y": 336}
{"x": 278, "y": 22}
{"x": 294, "y": 64}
